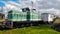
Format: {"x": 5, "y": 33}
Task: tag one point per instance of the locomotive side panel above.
{"x": 22, "y": 16}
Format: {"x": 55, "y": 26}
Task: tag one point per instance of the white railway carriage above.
{"x": 47, "y": 17}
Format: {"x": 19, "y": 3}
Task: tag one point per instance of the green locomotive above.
{"x": 16, "y": 18}
{"x": 25, "y": 16}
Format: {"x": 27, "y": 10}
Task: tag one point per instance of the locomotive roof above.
{"x": 17, "y": 11}
{"x": 13, "y": 11}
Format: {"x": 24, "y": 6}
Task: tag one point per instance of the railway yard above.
{"x": 29, "y": 17}
{"x": 26, "y": 22}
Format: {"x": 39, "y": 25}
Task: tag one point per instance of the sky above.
{"x": 43, "y": 6}
{"x": 1, "y": 4}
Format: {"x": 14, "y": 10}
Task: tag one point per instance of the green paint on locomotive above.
{"x": 15, "y": 15}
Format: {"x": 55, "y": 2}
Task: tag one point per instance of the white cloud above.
{"x": 0, "y": 9}
{"x": 12, "y": 5}
{"x": 58, "y": 0}
{"x": 41, "y": 5}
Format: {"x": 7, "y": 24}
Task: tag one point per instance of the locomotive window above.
{"x": 14, "y": 14}
{"x": 10, "y": 16}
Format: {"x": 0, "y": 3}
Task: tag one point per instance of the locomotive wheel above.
{"x": 9, "y": 25}
{"x": 27, "y": 24}
{"x": 22, "y": 25}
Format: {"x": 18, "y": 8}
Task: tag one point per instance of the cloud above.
{"x": 12, "y": 5}
{"x": 41, "y": 4}
{"x": 44, "y": 5}
{"x": 0, "y": 9}
{"x": 49, "y": 6}
{"x": 52, "y": 11}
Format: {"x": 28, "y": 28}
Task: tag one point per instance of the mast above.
{"x": 32, "y": 9}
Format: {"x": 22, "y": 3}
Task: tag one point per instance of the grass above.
{"x": 42, "y": 29}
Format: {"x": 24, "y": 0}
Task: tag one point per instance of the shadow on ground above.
{"x": 56, "y": 27}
